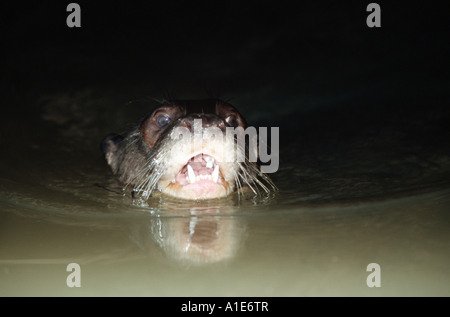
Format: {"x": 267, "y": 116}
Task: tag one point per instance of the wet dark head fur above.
{"x": 149, "y": 159}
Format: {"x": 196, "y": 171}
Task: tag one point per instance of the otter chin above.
{"x": 183, "y": 149}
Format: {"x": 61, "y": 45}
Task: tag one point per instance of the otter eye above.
{"x": 231, "y": 121}
{"x": 162, "y": 120}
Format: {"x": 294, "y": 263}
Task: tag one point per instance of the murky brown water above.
{"x": 364, "y": 150}
{"x": 60, "y": 204}
{"x": 223, "y": 250}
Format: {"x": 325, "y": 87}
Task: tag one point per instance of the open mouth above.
{"x": 199, "y": 178}
{"x": 201, "y": 168}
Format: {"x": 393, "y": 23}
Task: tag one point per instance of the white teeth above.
{"x": 215, "y": 174}
{"x": 191, "y": 174}
{"x": 192, "y": 178}
{"x": 209, "y": 162}
{"x": 192, "y": 224}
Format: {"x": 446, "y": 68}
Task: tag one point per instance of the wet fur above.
{"x": 139, "y": 166}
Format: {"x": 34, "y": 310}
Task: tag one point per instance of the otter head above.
{"x": 183, "y": 149}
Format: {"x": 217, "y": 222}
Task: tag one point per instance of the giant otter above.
{"x": 165, "y": 152}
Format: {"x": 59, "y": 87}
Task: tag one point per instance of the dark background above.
{"x": 299, "y": 50}
{"x": 347, "y": 98}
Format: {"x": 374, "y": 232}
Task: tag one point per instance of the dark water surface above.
{"x": 364, "y": 172}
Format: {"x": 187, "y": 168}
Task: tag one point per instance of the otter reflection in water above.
{"x": 155, "y": 156}
{"x": 195, "y": 237}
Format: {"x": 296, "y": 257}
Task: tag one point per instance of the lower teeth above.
{"x": 192, "y": 178}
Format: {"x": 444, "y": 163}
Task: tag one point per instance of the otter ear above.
{"x": 110, "y": 144}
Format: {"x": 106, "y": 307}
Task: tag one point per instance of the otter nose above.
{"x": 208, "y": 120}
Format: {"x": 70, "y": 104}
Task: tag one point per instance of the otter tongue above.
{"x": 202, "y": 165}
{"x": 200, "y": 169}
